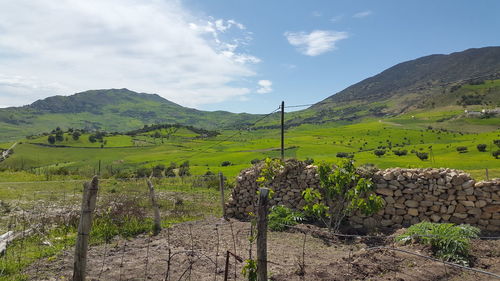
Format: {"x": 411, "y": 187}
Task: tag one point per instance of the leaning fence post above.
{"x": 262, "y": 235}
{"x": 157, "y": 222}
{"x": 82, "y": 240}
{"x": 221, "y": 186}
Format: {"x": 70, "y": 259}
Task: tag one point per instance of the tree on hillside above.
{"x": 92, "y": 138}
{"x": 379, "y": 152}
{"x": 76, "y": 135}
{"x": 481, "y": 147}
{"x": 422, "y": 155}
{"x": 51, "y": 139}
{"x": 184, "y": 169}
{"x": 59, "y": 135}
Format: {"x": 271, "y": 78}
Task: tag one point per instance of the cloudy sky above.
{"x": 241, "y": 56}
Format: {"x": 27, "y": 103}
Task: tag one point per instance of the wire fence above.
{"x": 122, "y": 248}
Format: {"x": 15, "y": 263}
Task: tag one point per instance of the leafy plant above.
{"x": 400, "y": 152}
{"x": 250, "y": 270}
{"x": 448, "y": 242}
{"x": 342, "y": 191}
{"x": 379, "y": 152}
{"x": 281, "y": 217}
{"x": 461, "y": 149}
{"x": 268, "y": 172}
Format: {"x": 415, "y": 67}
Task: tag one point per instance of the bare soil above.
{"x": 198, "y": 250}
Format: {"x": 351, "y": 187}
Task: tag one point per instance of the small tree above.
{"x": 342, "y": 191}
{"x": 400, "y": 152}
{"x": 496, "y": 154}
{"x": 51, "y": 139}
{"x": 59, "y": 135}
{"x": 462, "y": 149}
{"x": 422, "y": 155}
{"x": 379, "y": 152}
{"x": 481, "y": 147}
{"x": 184, "y": 169}
{"x": 92, "y": 138}
{"x": 76, "y": 135}
{"x": 497, "y": 142}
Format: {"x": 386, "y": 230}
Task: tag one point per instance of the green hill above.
{"x": 110, "y": 110}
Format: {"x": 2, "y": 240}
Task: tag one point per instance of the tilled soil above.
{"x": 198, "y": 250}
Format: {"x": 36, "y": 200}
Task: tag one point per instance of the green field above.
{"x": 319, "y": 142}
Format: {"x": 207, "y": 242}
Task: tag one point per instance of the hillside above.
{"x": 110, "y": 110}
{"x": 437, "y": 82}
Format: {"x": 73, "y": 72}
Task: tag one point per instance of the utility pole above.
{"x": 282, "y": 131}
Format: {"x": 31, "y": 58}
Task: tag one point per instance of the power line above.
{"x": 233, "y": 135}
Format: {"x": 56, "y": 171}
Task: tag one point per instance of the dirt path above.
{"x": 198, "y": 249}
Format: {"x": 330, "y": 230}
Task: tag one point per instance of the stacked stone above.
{"x": 410, "y": 196}
{"x": 437, "y": 195}
{"x": 288, "y": 187}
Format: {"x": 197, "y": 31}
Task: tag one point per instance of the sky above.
{"x": 234, "y": 55}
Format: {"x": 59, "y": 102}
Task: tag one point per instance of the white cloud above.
{"x": 362, "y": 14}
{"x": 316, "y": 14}
{"x": 316, "y": 42}
{"x": 154, "y": 46}
{"x": 265, "y": 86}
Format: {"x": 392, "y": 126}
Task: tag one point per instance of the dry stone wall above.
{"x": 410, "y": 196}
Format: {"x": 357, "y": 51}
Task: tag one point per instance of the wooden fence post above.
{"x": 152, "y": 197}
{"x": 82, "y": 240}
{"x": 221, "y": 186}
{"x": 487, "y": 176}
{"x": 262, "y": 235}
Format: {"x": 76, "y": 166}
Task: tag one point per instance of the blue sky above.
{"x": 240, "y": 56}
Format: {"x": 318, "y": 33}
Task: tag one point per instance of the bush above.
{"x": 481, "y": 147}
{"x": 76, "y": 135}
{"x": 497, "y": 142}
{"x": 255, "y": 161}
{"x": 226, "y": 163}
{"x": 496, "y": 154}
{"x": 143, "y": 172}
{"x": 448, "y": 242}
{"x": 281, "y": 217}
{"x": 400, "y": 152}
{"x": 342, "y": 155}
{"x": 422, "y": 155}
{"x": 379, "y": 152}
{"x": 51, "y": 139}
{"x": 461, "y": 149}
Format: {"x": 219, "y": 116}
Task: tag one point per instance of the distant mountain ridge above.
{"x": 423, "y": 72}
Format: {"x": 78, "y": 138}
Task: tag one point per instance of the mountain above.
{"x": 425, "y": 83}
{"x": 110, "y": 110}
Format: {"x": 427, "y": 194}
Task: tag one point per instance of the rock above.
{"x": 460, "y": 215}
{"x": 467, "y": 203}
{"x": 492, "y": 209}
{"x": 435, "y": 218}
{"x": 384, "y": 191}
{"x": 411, "y": 203}
{"x": 413, "y": 212}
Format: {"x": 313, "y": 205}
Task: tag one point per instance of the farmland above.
{"x": 125, "y": 153}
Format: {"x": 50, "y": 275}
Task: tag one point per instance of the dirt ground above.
{"x": 198, "y": 250}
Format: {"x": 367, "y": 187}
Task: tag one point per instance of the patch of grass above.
{"x": 448, "y": 242}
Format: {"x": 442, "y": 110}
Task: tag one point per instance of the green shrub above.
{"x": 226, "y": 163}
{"x": 448, "y": 242}
{"x": 422, "y": 155}
{"x": 400, "y": 152}
{"x": 379, "y": 152}
{"x": 481, "y": 147}
{"x": 281, "y": 217}
{"x": 461, "y": 149}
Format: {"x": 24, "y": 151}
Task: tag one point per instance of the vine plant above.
{"x": 342, "y": 191}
